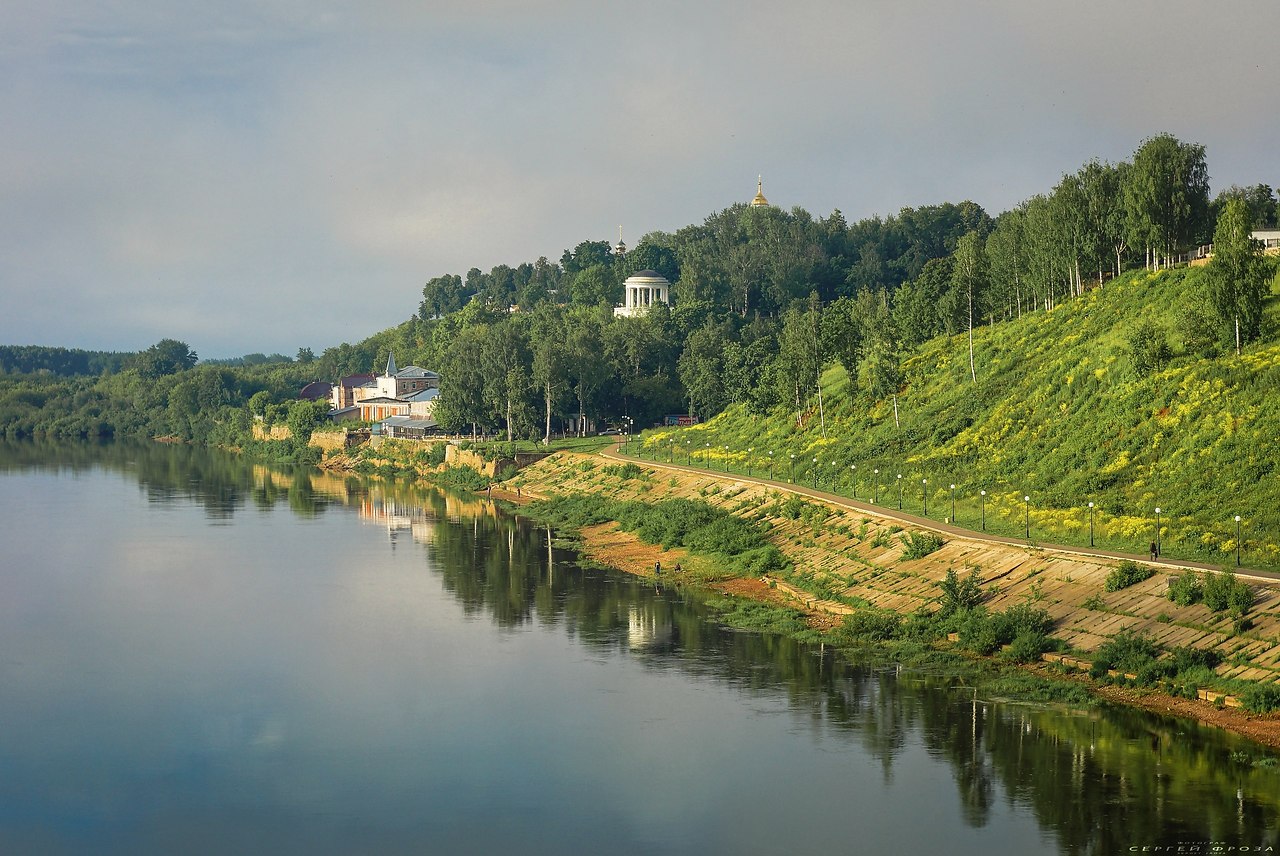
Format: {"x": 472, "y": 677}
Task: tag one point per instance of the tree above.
{"x": 504, "y": 354}
{"x": 1259, "y": 197}
{"x": 917, "y": 304}
{"x": 800, "y": 356}
{"x": 595, "y": 286}
{"x": 442, "y": 295}
{"x": 462, "y": 380}
{"x": 166, "y": 357}
{"x": 549, "y": 368}
{"x": 968, "y": 281}
{"x": 879, "y": 370}
{"x": 1148, "y": 347}
{"x": 305, "y": 356}
{"x": 1237, "y": 279}
{"x": 842, "y": 333}
{"x": 701, "y": 368}
{"x": 584, "y": 347}
{"x": 1167, "y": 197}
{"x": 1007, "y": 262}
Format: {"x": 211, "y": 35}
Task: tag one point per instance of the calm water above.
{"x": 198, "y": 655}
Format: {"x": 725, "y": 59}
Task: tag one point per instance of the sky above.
{"x": 263, "y": 175}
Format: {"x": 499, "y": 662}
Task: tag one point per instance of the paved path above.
{"x": 899, "y": 516}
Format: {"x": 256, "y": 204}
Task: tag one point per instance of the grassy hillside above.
{"x": 1059, "y": 414}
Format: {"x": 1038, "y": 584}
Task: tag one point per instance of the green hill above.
{"x": 1059, "y": 414}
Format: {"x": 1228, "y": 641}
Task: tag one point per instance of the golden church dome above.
{"x": 759, "y": 201}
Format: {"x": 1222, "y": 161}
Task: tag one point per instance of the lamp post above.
{"x": 899, "y": 491}
{"x": 792, "y": 477}
{"x": 817, "y": 474}
{"x": 1027, "y": 505}
{"x": 982, "y": 497}
{"x": 750, "y": 449}
{"x": 726, "y": 458}
{"x": 1157, "y": 555}
{"x": 770, "y": 466}
{"x": 688, "y": 453}
{"x": 924, "y": 496}
{"x": 1091, "y": 524}
{"x": 706, "y": 456}
{"x": 876, "y": 500}
{"x": 953, "y": 504}
{"x": 1237, "y": 540}
{"x": 853, "y": 480}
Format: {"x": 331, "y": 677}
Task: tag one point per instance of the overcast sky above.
{"x": 268, "y": 174}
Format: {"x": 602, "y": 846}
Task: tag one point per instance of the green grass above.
{"x": 1058, "y": 415}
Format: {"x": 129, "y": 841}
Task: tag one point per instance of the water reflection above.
{"x": 1099, "y": 781}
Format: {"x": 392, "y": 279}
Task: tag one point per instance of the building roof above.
{"x": 316, "y": 390}
{"x": 416, "y": 372}
{"x": 382, "y": 399}
{"x": 646, "y": 274}
{"x": 353, "y": 380}
{"x": 423, "y": 395}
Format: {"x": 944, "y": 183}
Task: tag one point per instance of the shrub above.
{"x": 623, "y": 471}
{"x": 978, "y": 633}
{"x": 1023, "y": 618}
{"x": 1127, "y": 573}
{"x": 1221, "y": 591}
{"x": 1184, "y": 589}
{"x": 960, "y": 594}
{"x": 1262, "y": 698}
{"x": 873, "y": 626}
{"x": 1126, "y": 652}
{"x": 793, "y": 507}
{"x": 435, "y": 453}
{"x": 1027, "y": 647}
{"x": 919, "y": 544}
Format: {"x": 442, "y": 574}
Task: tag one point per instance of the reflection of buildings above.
{"x": 646, "y": 631}
{"x": 398, "y": 517}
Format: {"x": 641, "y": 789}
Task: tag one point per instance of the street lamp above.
{"x": 953, "y": 504}
{"x": 924, "y": 495}
{"x": 1091, "y": 524}
{"x": 770, "y": 466}
{"x": 853, "y": 480}
{"x": 706, "y": 456}
{"x": 726, "y": 458}
{"x": 792, "y": 476}
{"x": 750, "y": 449}
{"x": 1157, "y": 555}
{"x": 899, "y": 491}
{"x": 983, "y": 499}
{"x": 1237, "y": 540}
{"x": 1027, "y": 504}
{"x": 817, "y": 474}
{"x": 688, "y": 453}
{"x": 876, "y": 501}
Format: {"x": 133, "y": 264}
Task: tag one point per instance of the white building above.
{"x": 642, "y": 290}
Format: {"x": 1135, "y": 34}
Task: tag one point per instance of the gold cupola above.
{"x": 759, "y": 201}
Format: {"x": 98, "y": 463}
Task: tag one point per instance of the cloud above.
{"x": 233, "y": 174}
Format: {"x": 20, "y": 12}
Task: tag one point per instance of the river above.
{"x": 203, "y": 655}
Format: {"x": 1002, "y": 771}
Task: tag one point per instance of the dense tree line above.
{"x": 763, "y": 299}
{"x": 64, "y": 362}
